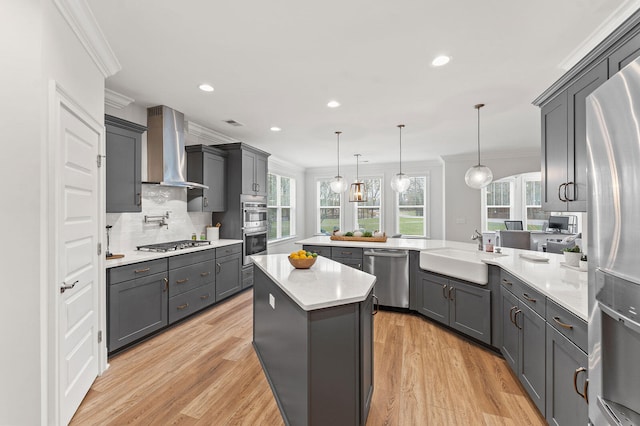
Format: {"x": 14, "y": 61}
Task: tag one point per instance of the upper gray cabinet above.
{"x": 206, "y": 165}
{"x": 247, "y": 170}
{"x": 627, "y": 52}
{"x": 123, "y": 165}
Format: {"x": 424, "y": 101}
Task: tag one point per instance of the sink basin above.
{"x": 458, "y": 263}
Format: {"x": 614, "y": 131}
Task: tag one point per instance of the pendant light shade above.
{"x": 400, "y": 182}
{"x": 478, "y": 176}
{"x": 357, "y": 192}
{"x": 338, "y": 184}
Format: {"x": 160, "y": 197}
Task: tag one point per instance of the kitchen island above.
{"x": 313, "y": 334}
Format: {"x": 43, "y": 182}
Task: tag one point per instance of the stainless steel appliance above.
{"x": 254, "y": 227}
{"x": 254, "y": 214}
{"x": 254, "y": 242}
{"x": 613, "y": 149}
{"x": 391, "y": 268}
{"x": 173, "y": 245}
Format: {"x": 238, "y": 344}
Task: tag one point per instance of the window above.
{"x": 329, "y": 207}
{"x": 368, "y": 213}
{"x": 412, "y": 207}
{"x": 535, "y": 217}
{"x": 498, "y": 204}
{"x": 280, "y": 206}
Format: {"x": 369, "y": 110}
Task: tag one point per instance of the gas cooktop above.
{"x": 173, "y": 245}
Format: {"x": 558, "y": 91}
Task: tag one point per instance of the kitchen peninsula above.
{"x": 313, "y": 334}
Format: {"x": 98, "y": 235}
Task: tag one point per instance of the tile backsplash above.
{"x": 130, "y": 231}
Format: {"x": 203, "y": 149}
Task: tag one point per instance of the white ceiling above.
{"x": 278, "y": 63}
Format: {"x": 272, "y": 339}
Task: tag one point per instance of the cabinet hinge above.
{"x": 99, "y": 159}
{"x": 99, "y": 249}
{"x": 100, "y": 336}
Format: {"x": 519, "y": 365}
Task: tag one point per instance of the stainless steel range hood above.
{"x": 166, "y": 158}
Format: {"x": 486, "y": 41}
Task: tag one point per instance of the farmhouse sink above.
{"x": 458, "y": 263}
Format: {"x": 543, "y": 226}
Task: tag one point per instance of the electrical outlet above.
{"x": 461, "y": 220}
{"x": 272, "y": 301}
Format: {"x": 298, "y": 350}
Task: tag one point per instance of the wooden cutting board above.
{"x": 115, "y": 256}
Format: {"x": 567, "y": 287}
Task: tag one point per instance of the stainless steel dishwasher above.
{"x": 391, "y": 268}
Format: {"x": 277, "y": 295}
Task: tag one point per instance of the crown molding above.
{"x": 115, "y": 99}
{"x": 211, "y": 135}
{"x": 83, "y": 23}
{"x": 492, "y": 155}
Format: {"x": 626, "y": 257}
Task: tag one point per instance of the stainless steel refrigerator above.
{"x": 613, "y": 150}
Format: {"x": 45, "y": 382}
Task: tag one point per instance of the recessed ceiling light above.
{"x": 333, "y": 104}
{"x": 441, "y": 60}
{"x": 275, "y": 129}
{"x": 206, "y": 87}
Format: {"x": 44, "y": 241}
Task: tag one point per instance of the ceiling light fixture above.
{"x": 206, "y": 87}
{"x": 478, "y": 176}
{"x": 338, "y": 184}
{"x": 333, "y": 104}
{"x": 275, "y": 129}
{"x": 357, "y": 192}
{"x": 441, "y": 60}
{"x": 400, "y": 182}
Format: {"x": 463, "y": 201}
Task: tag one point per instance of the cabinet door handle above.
{"x": 515, "y": 318}
{"x": 139, "y": 202}
{"x": 206, "y": 202}
{"x": 181, "y": 307}
{"x": 585, "y": 390}
{"x": 182, "y": 281}
{"x": 218, "y": 268}
{"x": 529, "y": 298}
{"x": 205, "y": 274}
{"x": 376, "y": 305}
{"x": 566, "y": 197}
{"x": 562, "y": 324}
{"x": 139, "y": 271}
{"x": 575, "y": 381}
{"x": 258, "y": 186}
{"x": 513, "y": 308}
{"x": 452, "y": 293}
{"x": 204, "y": 296}
{"x": 444, "y": 291}
{"x": 166, "y": 284}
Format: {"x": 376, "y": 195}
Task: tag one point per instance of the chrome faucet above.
{"x": 478, "y": 236}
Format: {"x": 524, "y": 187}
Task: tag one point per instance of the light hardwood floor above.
{"x": 205, "y": 372}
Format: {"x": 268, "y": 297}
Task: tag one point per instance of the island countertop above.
{"x": 326, "y": 284}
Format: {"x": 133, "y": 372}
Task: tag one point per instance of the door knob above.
{"x": 64, "y": 287}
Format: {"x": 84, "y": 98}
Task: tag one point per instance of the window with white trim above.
{"x": 368, "y": 214}
{"x": 535, "y": 218}
{"x": 329, "y": 207}
{"x": 411, "y": 208}
{"x": 281, "y": 201}
{"x": 498, "y": 201}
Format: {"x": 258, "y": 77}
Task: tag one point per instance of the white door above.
{"x": 77, "y": 235}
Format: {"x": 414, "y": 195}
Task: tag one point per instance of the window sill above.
{"x": 281, "y": 240}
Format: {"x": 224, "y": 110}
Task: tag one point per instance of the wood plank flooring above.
{"x": 205, "y": 372}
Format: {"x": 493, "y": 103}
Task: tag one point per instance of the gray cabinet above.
{"x": 123, "y": 165}
{"x": 191, "y": 283}
{"x": 567, "y": 369}
{"x": 137, "y": 302}
{"x": 254, "y": 173}
{"x": 350, "y": 256}
{"x": 366, "y": 357}
{"x": 228, "y": 271}
{"x": 247, "y": 276}
{"x": 564, "y": 159}
{"x": 464, "y": 307}
{"x": 624, "y": 54}
{"x": 523, "y": 345}
{"x": 206, "y": 165}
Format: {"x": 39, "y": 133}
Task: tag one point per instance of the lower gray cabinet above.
{"x": 528, "y": 354}
{"x": 137, "y": 308}
{"x": 228, "y": 275}
{"x": 566, "y": 381}
{"x": 350, "y": 256}
{"x": 247, "y": 276}
{"x": 464, "y": 307}
{"x": 191, "y": 301}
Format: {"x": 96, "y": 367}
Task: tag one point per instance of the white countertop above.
{"x": 136, "y": 256}
{"x": 566, "y": 287}
{"x": 325, "y": 284}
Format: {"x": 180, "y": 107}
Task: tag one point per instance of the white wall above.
{"x": 462, "y": 205}
{"x": 37, "y": 47}
{"x": 431, "y": 169}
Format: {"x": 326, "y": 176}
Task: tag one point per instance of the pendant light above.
{"x": 400, "y": 182}
{"x": 338, "y": 184}
{"x": 357, "y": 192}
{"x": 478, "y": 176}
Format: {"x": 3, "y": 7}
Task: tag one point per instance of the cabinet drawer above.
{"x": 190, "y": 258}
{"x": 228, "y": 250}
{"x": 572, "y": 327}
{"x": 346, "y": 252}
{"x": 191, "y": 276}
{"x": 191, "y": 301}
{"x": 529, "y": 296}
{"x": 247, "y": 276}
{"x": 321, "y": 250}
{"x": 136, "y": 270}
{"x": 354, "y": 263}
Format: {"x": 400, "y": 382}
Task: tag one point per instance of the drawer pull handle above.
{"x": 205, "y": 274}
{"x": 181, "y": 307}
{"x": 452, "y": 293}
{"x": 182, "y": 281}
{"x": 346, "y": 252}
{"x": 444, "y": 291}
{"x": 166, "y": 284}
{"x": 529, "y": 298}
{"x": 575, "y": 382}
{"x": 513, "y": 308}
{"x": 139, "y": 271}
{"x": 561, "y": 324}
{"x": 506, "y": 281}
{"x": 218, "y": 268}
{"x": 204, "y": 296}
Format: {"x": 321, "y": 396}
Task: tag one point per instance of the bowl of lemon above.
{"x": 302, "y": 259}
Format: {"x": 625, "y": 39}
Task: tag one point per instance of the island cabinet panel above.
{"x": 319, "y": 363}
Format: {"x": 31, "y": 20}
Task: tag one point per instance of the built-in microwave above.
{"x": 254, "y": 214}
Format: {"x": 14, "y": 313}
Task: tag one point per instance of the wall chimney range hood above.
{"x": 166, "y": 157}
